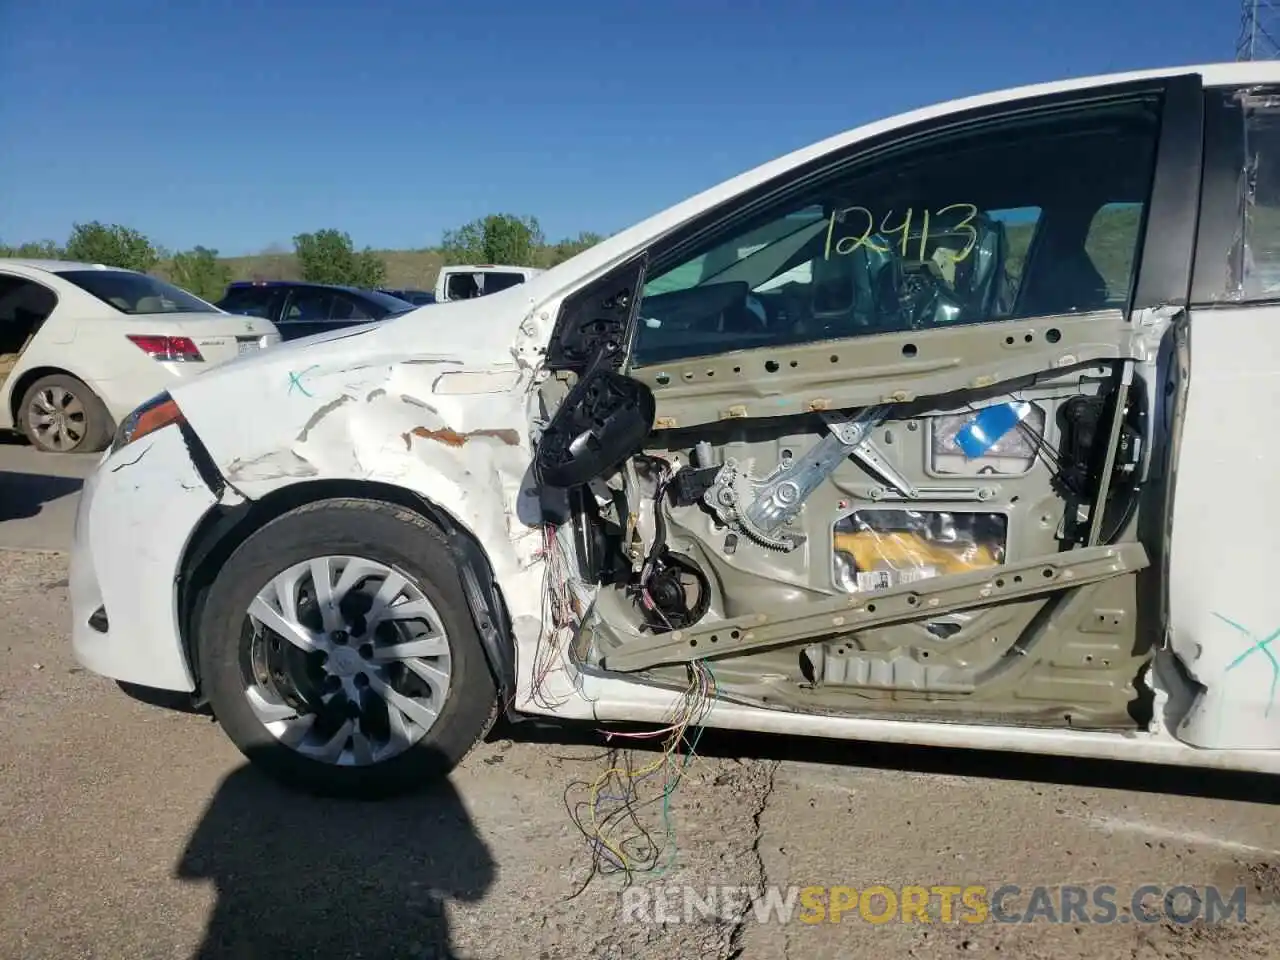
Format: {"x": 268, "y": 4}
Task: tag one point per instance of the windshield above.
{"x": 754, "y": 258}
{"x": 136, "y": 293}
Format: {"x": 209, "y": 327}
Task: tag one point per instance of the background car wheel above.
{"x": 338, "y": 652}
{"x": 60, "y": 414}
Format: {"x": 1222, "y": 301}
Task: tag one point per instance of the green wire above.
{"x": 671, "y": 788}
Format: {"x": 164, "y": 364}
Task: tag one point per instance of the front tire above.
{"x": 60, "y": 414}
{"x": 337, "y": 649}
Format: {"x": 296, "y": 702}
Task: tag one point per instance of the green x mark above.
{"x": 1262, "y": 646}
{"x": 295, "y": 379}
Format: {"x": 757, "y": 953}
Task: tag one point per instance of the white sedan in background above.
{"x": 81, "y": 345}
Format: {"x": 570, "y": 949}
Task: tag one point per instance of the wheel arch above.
{"x": 223, "y": 529}
{"x": 25, "y": 379}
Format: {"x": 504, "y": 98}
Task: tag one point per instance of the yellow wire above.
{"x": 694, "y": 698}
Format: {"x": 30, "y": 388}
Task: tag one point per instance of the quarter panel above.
{"x": 1224, "y": 606}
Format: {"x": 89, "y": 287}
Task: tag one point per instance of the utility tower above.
{"x": 1259, "y": 30}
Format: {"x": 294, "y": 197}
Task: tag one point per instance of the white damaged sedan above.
{"x": 924, "y": 433}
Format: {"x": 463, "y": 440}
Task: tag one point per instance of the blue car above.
{"x": 419, "y": 298}
{"x": 300, "y": 309}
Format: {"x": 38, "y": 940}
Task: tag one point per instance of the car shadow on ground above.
{"x": 24, "y": 495}
{"x": 174, "y": 700}
{"x": 309, "y": 877}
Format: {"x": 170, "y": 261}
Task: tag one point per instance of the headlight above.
{"x": 159, "y": 411}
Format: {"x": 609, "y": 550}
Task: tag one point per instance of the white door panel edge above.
{"x": 1224, "y": 606}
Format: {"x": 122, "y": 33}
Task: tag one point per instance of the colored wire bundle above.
{"x": 559, "y": 613}
{"x": 611, "y": 815}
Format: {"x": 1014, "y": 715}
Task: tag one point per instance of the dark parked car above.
{"x": 418, "y": 298}
{"x": 299, "y": 309}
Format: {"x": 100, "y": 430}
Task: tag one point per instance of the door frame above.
{"x": 1164, "y": 256}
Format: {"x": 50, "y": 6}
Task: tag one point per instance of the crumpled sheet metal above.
{"x": 463, "y": 451}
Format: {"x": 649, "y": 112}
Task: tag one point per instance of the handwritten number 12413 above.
{"x": 849, "y": 243}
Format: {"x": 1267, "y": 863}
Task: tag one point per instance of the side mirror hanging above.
{"x": 604, "y": 420}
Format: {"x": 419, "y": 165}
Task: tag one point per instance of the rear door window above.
{"x": 462, "y": 286}
{"x": 1253, "y": 141}
{"x": 493, "y": 281}
{"x": 24, "y": 305}
{"x": 349, "y": 308}
{"x": 309, "y": 306}
{"x": 1111, "y": 242}
{"x": 251, "y": 301}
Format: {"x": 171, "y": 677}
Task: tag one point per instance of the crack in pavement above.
{"x": 760, "y": 881}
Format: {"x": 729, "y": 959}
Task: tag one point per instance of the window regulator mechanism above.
{"x": 760, "y": 508}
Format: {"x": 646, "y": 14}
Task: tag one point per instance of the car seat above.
{"x": 855, "y": 292}
{"x": 1068, "y": 282}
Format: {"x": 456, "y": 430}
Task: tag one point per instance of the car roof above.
{"x": 487, "y": 266}
{"x": 58, "y": 266}
{"x": 296, "y": 283}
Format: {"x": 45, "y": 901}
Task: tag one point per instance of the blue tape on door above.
{"x": 984, "y": 431}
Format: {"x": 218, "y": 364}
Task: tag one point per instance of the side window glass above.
{"x": 493, "y": 282}
{"x": 309, "y": 306}
{"x": 252, "y": 303}
{"x": 975, "y": 226}
{"x": 24, "y": 306}
{"x": 1019, "y": 226}
{"x": 345, "y": 308}
{"x": 1111, "y": 243}
{"x": 1256, "y": 259}
{"x": 462, "y": 286}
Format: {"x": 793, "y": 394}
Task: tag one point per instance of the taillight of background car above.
{"x": 167, "y": 348}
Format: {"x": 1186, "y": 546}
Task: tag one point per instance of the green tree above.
{"x": 111, "y": 244}
{"x": 567, "y": 248}
{"x": 465, "y": 244}
{"x": 328, "y": 256}
{"x": 38, "y": 250}
{"x": 498, "y": 238}
{"x": 200, "y": 271}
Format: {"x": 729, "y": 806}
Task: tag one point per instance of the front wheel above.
{"x": 338, "y": 652}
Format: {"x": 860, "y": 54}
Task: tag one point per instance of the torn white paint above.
{"x": 467, "y": 382}
{"x": 284, "y": 463}
{"x": 465, "y": 448}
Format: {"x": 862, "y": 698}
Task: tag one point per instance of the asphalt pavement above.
{"x": 38, "y": 495}
{"x": 130, "y": 828}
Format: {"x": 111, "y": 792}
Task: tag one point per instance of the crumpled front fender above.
{"x": 455, "y": 438}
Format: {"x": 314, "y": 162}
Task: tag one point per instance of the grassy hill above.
{"x": 412, "y": 269}
{"x": 415, "y": 269}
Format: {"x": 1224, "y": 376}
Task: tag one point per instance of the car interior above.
{"x": 949, "y": 243}
{"x": 24, "y": 307}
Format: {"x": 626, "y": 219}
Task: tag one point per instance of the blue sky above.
{"x": 238, "y": 124}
